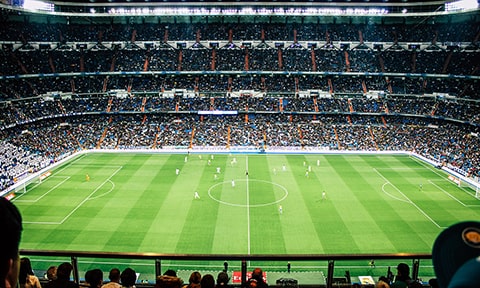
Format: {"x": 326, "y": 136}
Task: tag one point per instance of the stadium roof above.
{"x": 248, "y": 7}
{"x": 263, "y": 2}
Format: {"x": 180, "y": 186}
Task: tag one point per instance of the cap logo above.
{"x": 471, "y": 237}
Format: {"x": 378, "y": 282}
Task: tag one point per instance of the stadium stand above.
{"x": 67, "y": 86}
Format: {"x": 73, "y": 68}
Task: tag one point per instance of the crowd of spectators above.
{"x": 13, "y": 89}
{"x": 28, "y": 110}
{"x": 232, "y": 57}
{"x": 37, "y": 130}
{"x": 16, "y": 162}
{"x": 62, "y": 277}
{"x": 108, "y": 32}
{"x": 43, "y": 139}
{"x": 94, "y": 278}
{"x": 299, "y": 58}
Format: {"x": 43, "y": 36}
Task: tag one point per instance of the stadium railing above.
{"x": 243, "y": 259}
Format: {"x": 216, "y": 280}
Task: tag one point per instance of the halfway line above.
{"x": 248, "y": 208}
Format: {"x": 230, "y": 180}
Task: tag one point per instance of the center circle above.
{"x": 229, "y": 193}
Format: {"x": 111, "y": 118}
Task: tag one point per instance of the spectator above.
{"x": 94, "y": 278}
{"x": 63, "y": 277}
{"x": 11, "y": 226}
{"x": 128, "y": 278}
{"x": 433, "y": 283}
{"x": 256, "y": 280}
{"x": 467, "y": 275}
{"x": 194, "y": 280}
{"x": 166, "y": 281}
{"x": 222, "y": 280}
{"x": 383, "y": 282}
{"x": 170, "y": 272}
{"x": 51, "y": 273}
{"x": 453, "y": 248}
{"x": 402, "y": 279}
{"x": 207, "y": 281}
{"x": 27, "y": 278}
{"x": 114, "y": 277}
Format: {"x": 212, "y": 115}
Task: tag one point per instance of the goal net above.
{"x": 30, "y": 183}
{"x": 466, "y": 184}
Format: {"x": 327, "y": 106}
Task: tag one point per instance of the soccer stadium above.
{"x": 326, "y": 142}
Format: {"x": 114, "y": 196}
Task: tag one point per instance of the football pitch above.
{"x": 248, "y": 204}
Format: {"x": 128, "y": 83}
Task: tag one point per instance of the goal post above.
{"x": 24, "y": 185}
{"x": 21, "y": 189}
{"x": 43, "y": 176}
{"x": 463, "y": 182}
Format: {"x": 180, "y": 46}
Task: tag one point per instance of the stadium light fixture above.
{"x": 461, "y": 5}
{"x": 277, "y": 11}
{"x": 38, "y": 5}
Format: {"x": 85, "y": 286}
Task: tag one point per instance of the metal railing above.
{"x": 243, "y": 258}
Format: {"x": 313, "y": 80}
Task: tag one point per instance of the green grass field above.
{"x": 137, "y": 203}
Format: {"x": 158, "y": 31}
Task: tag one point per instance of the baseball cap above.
{"x": 467, "y": 276}
{"x": 453, "y": 247}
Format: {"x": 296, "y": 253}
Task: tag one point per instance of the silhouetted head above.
{"x": 403, "y": 269}
{"x": 128, "y": 277}
{"x": 64, "y": 270}
{"x": 222, "y": 278}
{"x": 11, "y": 229}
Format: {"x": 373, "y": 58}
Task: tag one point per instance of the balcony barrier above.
{"x": 157, "y": 259}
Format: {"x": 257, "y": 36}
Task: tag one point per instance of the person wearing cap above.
{"x": 11, "y": 227}
{"x": 402, "y": 279}
{"x": 467, "y": 276}
{"x": 455, "y": 255}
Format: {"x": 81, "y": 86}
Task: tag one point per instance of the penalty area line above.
{"x": 451, "y": 196}
{"x": 89, "y": 197}
{"x": 410, "y": 201}
{"x": 18, "y": 199}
